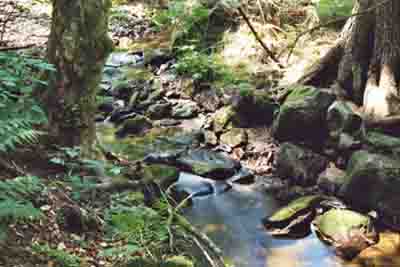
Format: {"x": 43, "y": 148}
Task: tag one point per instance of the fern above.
{"x": 19, "y": 112}
{"x": 61, "y": 258}
{"x": 15, "y": 199}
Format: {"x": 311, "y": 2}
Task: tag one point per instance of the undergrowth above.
{"x": 19, "y": 112}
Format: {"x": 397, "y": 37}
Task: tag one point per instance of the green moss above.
{"x": 177, "y": 261}
{"x": 300, "y": 92}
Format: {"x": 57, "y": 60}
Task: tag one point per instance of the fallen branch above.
{"x": 267, "y": 50}
{"x": 13, "y": 48}
{"x": 389, "y": 121}
{"x": 12, "y": 168}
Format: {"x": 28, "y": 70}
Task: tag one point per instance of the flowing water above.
{"x": 233, "y": 220}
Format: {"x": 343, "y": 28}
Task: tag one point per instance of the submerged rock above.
{"x": 373, "y": 183}
{"x": 295, "y": 218}
{"x": 208, "y": 164}
{"x": 348, "y": 231}
{"x": 302, "y": 117}
{"x": 300, "y": 165}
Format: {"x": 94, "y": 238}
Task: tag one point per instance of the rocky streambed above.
{"x": 338, "y": 177}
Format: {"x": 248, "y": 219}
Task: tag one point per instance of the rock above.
{"x": 373, "y": 183}
{"x": 302, "y": 117}
{"x": 134, "y": 126}
{"x": 159, "y": 111}
{"x": 331, "y": 180}
{"x": 177, "y": 261}
{"x": 121, "y": 114}
{"x": 295, "y": 218}
{"x": 250, "y": 106}
{"x": 185, "y": 110}
{"x": 208, "y": 99}
{"x": 142, "y": 262}
{"x": 380, "y": 142}
{"x": 383, "y": 254}
{"x": 234, "y": 137}
{"x": 156, "y": 178}
{"x": 344, "y": 126}
{"x": 208, "y": 164}
{"x": 210, "y": 138}
{"x": 348, "y": 231}
{"x": 167, "y": 123}
{"x": 301, "y": 165}
{"x": 106, "y": 107}
{"x": 222, "y": 118}
{"x": 243, "y": 176}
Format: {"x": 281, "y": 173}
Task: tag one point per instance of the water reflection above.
{"x": 232, "y": 220}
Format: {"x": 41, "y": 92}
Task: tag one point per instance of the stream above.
{"x": 230, "y": 214}
{"x": 233, "y": 220}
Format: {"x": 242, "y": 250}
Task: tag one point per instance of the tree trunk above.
{"x": 367, "y": 72}
{"x": 78, "y": 47}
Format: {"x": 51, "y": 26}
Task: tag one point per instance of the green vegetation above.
{"x": 19, "y": 112}
{"x": 16, "y": 201}
{"x": 330, "y": 9}
{"x": 60, "y": 257}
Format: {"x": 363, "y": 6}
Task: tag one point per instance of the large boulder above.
{"x": 300, "y": 165}
{"x": 373, "y": 183}
{"x": 302, "y": 117}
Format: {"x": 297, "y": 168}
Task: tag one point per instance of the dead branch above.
{"x": 13, "y": 48}
{"x": 267, "y": 50}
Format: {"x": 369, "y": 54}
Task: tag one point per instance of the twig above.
{"x": 12, "y": 168}
{"x": 204, "y": 251}
{"x": 13, "y": 48}
{"x": 334, "y": 21}
{"x": 267, "y": 50}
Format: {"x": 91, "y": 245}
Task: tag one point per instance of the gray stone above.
{"x": 234, "y": 137}
{"x": 300, "y": 165}
{"x": 302, "y": 117}
{"x": 185, "y": 110}
{"x": 159, "y": 111}
{"x": 373, "y": 183}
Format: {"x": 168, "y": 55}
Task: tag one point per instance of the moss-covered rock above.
{"x": 383, "y": 143}
{"x": 134, "y": 126}
{"x": 348, "y": 231}
{"x": 254, "y": 108}
{"x": 185, "y": 110}
{"x": 234, "y": 137}
{"x": 293, "y": 219}
{"x": 302, "y": 117}
{"x": 301, "y": 165}
{"x": 159, "y": 110}
{"x": 222, "y": 118}
{"x": 208, "y": 164}
{"x": 373, "y": 183}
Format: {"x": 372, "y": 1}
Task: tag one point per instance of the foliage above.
{"x": 329, "y": 9}
{"x": 60, "y": 257}
{"x": 15, "y": 200}
{"x": 19, "y": 112}
{"x": 189, "y": 20}
{"x": 142, "y": 229}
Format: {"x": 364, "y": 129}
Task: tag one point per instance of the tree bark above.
{"x": 368, "y": 70}
{"x": 78, "y": 47}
